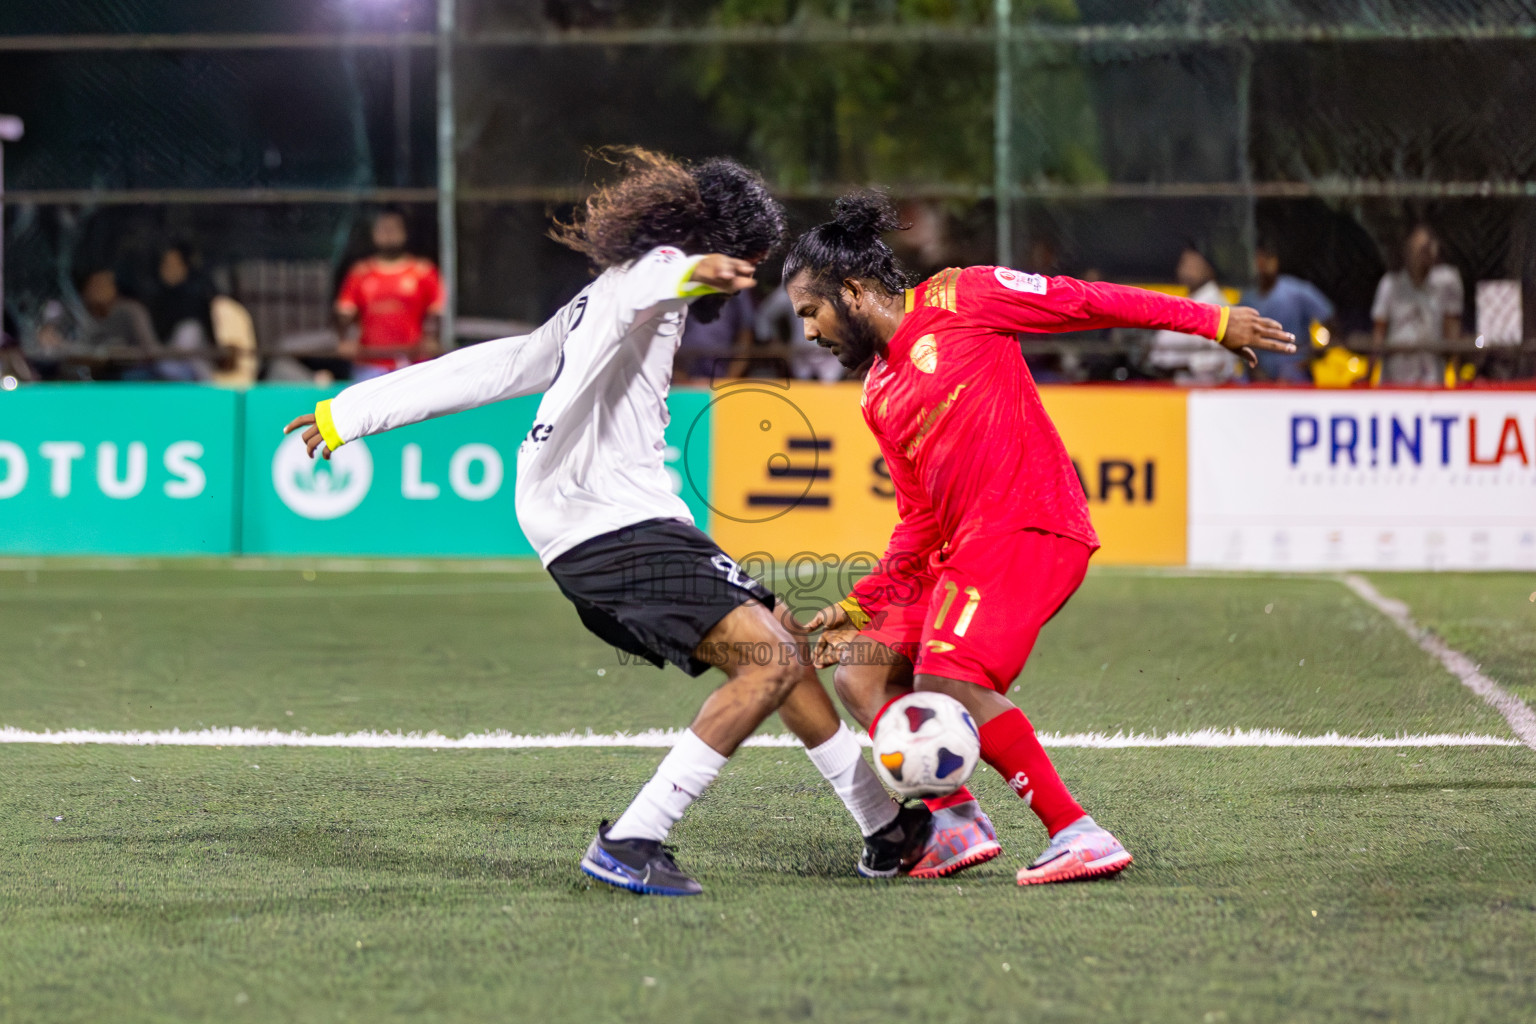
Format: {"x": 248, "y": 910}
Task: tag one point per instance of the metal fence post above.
{"x": 1002, "y": 134}
{"x": 447, "y": 196}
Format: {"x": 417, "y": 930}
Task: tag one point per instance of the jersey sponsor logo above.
{"x": 317, "y": 489}
{"x": 940, "y": 646}
{"x": 1019, "y": 281}
{"x": 931, "y": 420}
{"x": 667, "y": 254}
{"x": 925, "y": 353}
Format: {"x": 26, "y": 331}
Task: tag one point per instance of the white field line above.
{"x": 1521, "y": 719}
{"x": 502, "y": 740}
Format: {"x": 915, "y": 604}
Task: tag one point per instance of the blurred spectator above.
{"x": 1189, "y": 358}
{"x": 12, "y": 362}
{"x": 1416, "y": 308}
{"x": 116, "y": 324}
{"x": 180, "y": 308}
{"x": 719, "y": 346}
{"x": 235, "y": 333}
{"x": 394, "y": 299}
{"x": 782, "y": 334}
{"x": 1293, "y": 302}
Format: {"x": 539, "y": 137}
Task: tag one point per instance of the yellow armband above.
{"x": 688, "y": 289}
{"x": 1221, "y": 324}
{"x": 856, "y": 614}
{"x": 327, "y": 426}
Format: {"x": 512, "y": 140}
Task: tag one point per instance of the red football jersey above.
{"x": 970, "y": 449}
{"x": 391, "y": 298}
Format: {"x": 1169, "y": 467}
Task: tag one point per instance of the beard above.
{"x": 859, "y": 339}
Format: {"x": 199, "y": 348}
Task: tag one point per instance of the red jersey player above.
{"x": 394, "y": 298}
{"x": 994, "y": 534}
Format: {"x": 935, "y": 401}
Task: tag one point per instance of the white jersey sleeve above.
{"x": 658, "y": 278}
{"x": 466, "y": 378}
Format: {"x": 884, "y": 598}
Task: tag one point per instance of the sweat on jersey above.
{"x": 594, "y": 461}
{"x": 970, "y": 449}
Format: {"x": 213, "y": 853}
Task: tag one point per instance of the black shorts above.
{"x": 655, "y": 589}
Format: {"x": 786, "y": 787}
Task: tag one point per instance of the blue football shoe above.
{"x": 639, "y": 865}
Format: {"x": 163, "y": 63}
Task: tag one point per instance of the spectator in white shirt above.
{"x": 1417, "y": 308}
{"x": 1189, "y": 358}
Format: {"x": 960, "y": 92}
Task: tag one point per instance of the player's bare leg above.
{"x": 1079, "y": 847}
{"x": 755, "y": 688}
{"x": 871, "y": 677}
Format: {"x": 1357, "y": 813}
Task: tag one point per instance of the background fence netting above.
{"x": 1101, "y": 136}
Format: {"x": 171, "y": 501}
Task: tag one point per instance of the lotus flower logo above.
{"x": 322, "y": 479}
{"x": 317, "y": 489}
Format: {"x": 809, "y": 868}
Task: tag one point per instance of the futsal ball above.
{"x": 926, "y": 744}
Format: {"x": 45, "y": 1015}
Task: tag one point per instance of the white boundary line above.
{"x": 502, "y": 740}
{"x": 1521, "y": 719}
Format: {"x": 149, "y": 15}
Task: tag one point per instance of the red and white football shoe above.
{"x": 1080, "y": 851}
{"x": 962, "y": 838}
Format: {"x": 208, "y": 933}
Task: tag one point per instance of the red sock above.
{"x": 1008, "y": 744}
{"x": 873, "y": 722}
{"x": 938, "y": 803}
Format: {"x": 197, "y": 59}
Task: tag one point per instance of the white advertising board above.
{"x": 1356, "y": 479}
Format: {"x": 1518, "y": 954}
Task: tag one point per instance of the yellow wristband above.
{"x": 687, "y": 289}
{"x": 856, "y": 614}
{"x": 327, "y": 426}
{"x": 1221, "y": 324}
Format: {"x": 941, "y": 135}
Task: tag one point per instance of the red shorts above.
{"x": 976, "y": 620}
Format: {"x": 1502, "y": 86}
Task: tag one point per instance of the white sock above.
{"x": 841, "y": 762}
{"x": 681, "y": 777}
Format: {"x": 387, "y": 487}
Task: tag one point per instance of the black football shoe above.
{"x": 639, "y": 865}
{"x": 898, "y": 845}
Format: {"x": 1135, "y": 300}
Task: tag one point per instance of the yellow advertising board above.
{"x": 1130, "y": 447}
{"x": 796, "y": 471}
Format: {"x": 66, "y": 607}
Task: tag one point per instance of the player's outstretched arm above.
{"x": 1005, "y": 299}
{"x": 464, "y": 379}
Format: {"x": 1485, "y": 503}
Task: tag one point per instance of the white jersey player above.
{"x": 594, "y": 497}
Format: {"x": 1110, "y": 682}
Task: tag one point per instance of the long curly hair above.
{"x": 713, "y": 206}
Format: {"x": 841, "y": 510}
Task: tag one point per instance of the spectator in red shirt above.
{"x": 395, "y": 299}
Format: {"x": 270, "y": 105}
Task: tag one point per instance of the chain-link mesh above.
{"x": 265, "y": 131}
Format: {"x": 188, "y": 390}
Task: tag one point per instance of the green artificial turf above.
{"x": 1490, "y": 616}
{"x": 272, "y": 884}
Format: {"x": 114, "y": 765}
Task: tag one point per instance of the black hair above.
{"x": 1266, "y": 244}
{"x": 391, "y": 211}
{"x": 741, "y": 217}
{"x": 850, "y": 246}
{"x": 714, "y": 206}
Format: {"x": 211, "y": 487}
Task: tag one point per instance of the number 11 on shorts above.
{"x": 967, "y": 613}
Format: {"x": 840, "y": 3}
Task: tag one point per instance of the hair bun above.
{"x": 866, "y": 215}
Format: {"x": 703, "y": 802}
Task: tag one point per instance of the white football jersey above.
{"x": 594, "y": 461}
